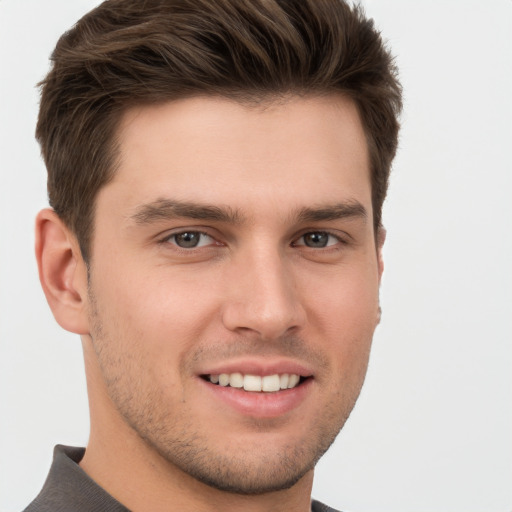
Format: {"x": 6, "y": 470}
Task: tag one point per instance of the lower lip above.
{"x": 261, "y": 405}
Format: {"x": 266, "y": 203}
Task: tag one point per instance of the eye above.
{"x": 190, "y": 239}
{"x": 317, "y": 239}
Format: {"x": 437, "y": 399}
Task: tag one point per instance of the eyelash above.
{"x": 337, "y": 238}
{"x": 169, "y": 239}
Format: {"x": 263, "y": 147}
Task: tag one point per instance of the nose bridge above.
{"x": 263, "y": 295}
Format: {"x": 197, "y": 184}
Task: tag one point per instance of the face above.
{"x": 233, "y": 288}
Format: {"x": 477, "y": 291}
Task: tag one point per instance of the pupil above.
{"x": 188, "y": 239}
{"x": 316, "y": 239}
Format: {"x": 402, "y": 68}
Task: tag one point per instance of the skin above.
{"x": 154, "y": 316}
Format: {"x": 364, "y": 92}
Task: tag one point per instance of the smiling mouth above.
{"x": 256, "y": 383}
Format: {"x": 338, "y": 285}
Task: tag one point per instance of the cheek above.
{"x": 160, "y": 315}
{"x": 343, "y": 314}
{"x": 346, "y": 301}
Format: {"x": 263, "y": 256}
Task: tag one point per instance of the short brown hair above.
{"x": 130, "y": 52}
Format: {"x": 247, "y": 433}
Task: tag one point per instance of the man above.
{"x": 216, "y": 171}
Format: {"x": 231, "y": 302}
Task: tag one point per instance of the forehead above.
{"x": 300, "y": 150}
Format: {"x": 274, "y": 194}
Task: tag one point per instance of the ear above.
{"x": 62, "y": 272}
{"x": 380, "y": 239}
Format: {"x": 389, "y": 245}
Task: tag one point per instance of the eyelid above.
{"x": 169, "y": 236}
{"x": 338, "y": 236}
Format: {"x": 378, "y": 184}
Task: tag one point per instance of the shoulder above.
{"x": 316, "y": 506}
{"x": 69, "y": 488}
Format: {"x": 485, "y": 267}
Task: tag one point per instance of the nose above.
{"x": 262, "y": 296}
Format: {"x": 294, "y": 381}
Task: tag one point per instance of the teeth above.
{"x": 267, "y": 384}
{"x": 236, "y": 380}
{"x": 252, "y": 383}
{"x": 271, "y": 383}
{"x": 293, "y": 381}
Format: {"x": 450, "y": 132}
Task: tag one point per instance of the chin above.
{"x": 258, "y": 466}
{"x": 251, "y": 477}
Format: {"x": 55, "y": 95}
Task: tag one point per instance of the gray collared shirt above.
{"x": 69, "y": 489}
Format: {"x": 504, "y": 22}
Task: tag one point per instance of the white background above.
{"x": 432, "y": 431}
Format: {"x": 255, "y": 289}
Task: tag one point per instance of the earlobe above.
{"x": 379, "y": 316}
{"x": 62, "y": 272}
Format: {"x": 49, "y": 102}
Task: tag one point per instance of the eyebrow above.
{"x": 165, "y": 209}
{"x": 349, "y": 209}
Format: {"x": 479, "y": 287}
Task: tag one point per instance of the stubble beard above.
{"x": 240, "y": 468}
{"x": 247, "y": 470}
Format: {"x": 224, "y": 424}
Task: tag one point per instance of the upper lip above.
{"x": 259, "y": 367}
